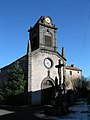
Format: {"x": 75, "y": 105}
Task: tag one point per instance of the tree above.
{"x": 88, "y": 83}
{"x": 77, "y": 83}
{"x": 1, "y": 94}
{"x": 15, "y": 84}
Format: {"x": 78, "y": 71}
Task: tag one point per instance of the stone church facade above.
{"x": 42, "y": 58}
{"x": 39, "y": 62}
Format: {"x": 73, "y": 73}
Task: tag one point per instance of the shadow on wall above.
{"x": 41, "y": 97}
{"x": 38, "y": 97}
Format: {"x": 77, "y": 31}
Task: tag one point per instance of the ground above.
{"x": 18, "y": 113}
{"x": 79, "y": 111}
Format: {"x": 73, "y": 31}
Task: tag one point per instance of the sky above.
{"x": 71, "y": 17}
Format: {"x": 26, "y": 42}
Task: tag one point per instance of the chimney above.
{"x": 72, "y": 65}
{"x": 63, "y": 52}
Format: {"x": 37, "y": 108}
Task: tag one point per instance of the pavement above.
{"x": 5, "y": 112}
{"x": 79, "y": 111}
{"x": 18, "y": 113}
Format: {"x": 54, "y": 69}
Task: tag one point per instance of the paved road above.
{"x": 5, "y": 112}
{"x": 18, "y": 113}
{"x": 80, "y": 111}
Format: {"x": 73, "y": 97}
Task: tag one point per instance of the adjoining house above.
{"x": 72, "y": 74}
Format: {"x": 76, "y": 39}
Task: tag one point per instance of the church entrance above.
{"x": 47, "y": 91}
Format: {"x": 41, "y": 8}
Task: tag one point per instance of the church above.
{"x": 39, "y": 62}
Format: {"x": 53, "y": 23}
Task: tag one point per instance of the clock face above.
{"x": 47, "y": 19}
{"x": 47, "y": 63}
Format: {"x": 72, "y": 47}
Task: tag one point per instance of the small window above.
{"x": 77, "y": 71}
{"x": 70, "y": 72}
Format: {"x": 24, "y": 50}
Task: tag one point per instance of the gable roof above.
{"x": 73, "y": 68}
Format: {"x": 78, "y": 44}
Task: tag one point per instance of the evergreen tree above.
{"x": 15, "y": 84}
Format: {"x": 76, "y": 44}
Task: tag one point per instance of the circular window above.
{"x": 48, "y": 63}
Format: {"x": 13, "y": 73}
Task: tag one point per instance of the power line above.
{"x": 85, "y": 36}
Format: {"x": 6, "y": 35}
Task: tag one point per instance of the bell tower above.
{"x": 43, "y": 34}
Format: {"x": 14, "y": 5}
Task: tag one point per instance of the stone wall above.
{"x": 4, "y": 70}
